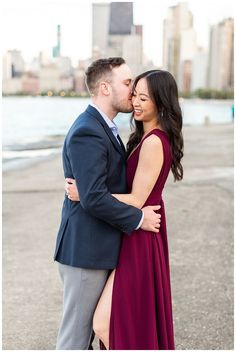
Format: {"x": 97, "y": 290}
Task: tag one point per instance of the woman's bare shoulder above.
{"x": 152, "y": 142}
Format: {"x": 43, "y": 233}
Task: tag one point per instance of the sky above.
{"x": 30, "y": 25}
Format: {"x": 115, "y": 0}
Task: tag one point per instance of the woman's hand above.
{"x": 71, "y": 190}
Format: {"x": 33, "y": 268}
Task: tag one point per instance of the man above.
{"x": 89, "y": 237}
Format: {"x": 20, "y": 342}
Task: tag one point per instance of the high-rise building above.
{"x": 120, "y": 26}
{"x": 220, "y": 65}
{"x": 51, "y": 78}
{"x": 199, "y": 69}
{"x": 132, "y": 50}
{"x": 114, "y": 33}
{"x": 79, "y": 81}
{"x": 56, "y": 51}
{"x": 65, "y": 66}
{"x": 16, "y": 62}
{"x": 125, "y": 39}
{"x": 121, "y": 18}
{"x": 178, "y": 35}
{"x": 188, "y": 48}
{"x": 13, "y": 66}
{"x": 30, "y": 84}
{"x": 100, "y": 20}
{"x": 44, "y": 58}
{"x": 6, "y": 66}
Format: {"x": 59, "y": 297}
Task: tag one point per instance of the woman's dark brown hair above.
{"x": 164, "y": 93}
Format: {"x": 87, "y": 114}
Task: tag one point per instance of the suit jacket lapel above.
{"x": 121, "y": 143}
{"x": 121, "y": 148}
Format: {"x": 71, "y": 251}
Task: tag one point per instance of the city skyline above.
{"x": 75, "y": 18}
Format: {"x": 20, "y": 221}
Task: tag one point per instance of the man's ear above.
{"x": 104, "y": 86}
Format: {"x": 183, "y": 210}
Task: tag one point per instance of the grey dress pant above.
{"x": 82, "y": 289}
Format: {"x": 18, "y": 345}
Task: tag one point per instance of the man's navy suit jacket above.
{"x": 90, "y": 232}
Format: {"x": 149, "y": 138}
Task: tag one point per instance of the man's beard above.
{"x": 124, "y": 106}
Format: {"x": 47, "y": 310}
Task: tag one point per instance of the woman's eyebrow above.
{"x": 144, "y": 94}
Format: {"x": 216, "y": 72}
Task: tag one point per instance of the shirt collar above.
{"x": 109, "y": 122}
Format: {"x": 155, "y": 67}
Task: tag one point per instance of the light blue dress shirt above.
{"x": 109, "y": 122}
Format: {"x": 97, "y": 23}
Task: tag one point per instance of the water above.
{"x": 32, "y": 126}
{"x": 196, "y": 110}
{"x": 27, "y": 119}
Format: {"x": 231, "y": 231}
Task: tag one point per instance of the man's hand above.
{"x": 71, "y": 190}
{"x": 151, "y": 221}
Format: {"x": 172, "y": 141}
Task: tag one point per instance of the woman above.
{"x": 135, "y": 309}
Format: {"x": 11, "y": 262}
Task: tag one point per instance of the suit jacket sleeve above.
{"x": 89, "y": 159}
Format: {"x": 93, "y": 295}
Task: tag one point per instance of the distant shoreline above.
{"x": 22, "y": 155}
{"x": 23, "y": 163}
{"x": 191, "y": 97}
{"x": 47, "y": 142}
{"x": 51, "y": 147}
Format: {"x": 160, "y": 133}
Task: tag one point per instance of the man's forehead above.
{"x": 123, "y": 72}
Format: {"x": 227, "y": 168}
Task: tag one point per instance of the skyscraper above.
{"x": 199, "y": 69}
{"x": 56, "y": 51}
{"x": 12, "y": 71}
{"x": 121, "y": 18}
{"x": 179, "y": 42}
{"x": 114, "y": 33}
{"x": 100, "y": 18}
{"x": 125, "y": 39}
{"x": 188, "y": 49}
{"x": 120, "y": 26}
{"x": 17, "y": 63}
{"x": 220, "y": 65}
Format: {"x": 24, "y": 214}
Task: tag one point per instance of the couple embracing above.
{"x": 112, "y": 245}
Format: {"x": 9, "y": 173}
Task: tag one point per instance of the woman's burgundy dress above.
{"x": 141, "y": 313}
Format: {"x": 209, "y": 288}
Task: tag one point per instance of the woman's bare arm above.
{"x": 148, "y": 170}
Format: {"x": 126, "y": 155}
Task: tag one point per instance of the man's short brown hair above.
{"x": 101, "y": 69}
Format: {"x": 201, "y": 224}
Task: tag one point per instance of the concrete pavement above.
{"x": 200, "y": 231}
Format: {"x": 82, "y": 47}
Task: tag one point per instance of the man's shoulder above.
{"x": 85, "y": 121}
{"x": 85, "y": 125}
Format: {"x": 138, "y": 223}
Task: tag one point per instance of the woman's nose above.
{"x": 135, "y": 101}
